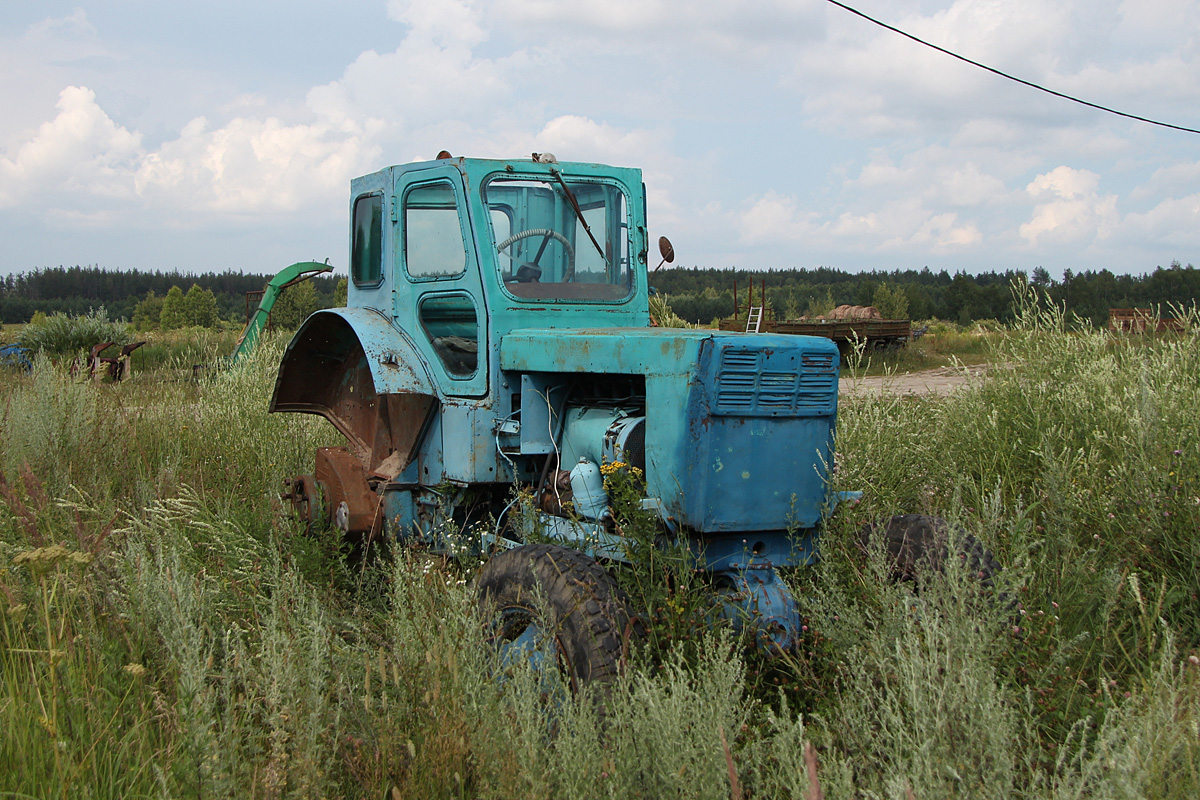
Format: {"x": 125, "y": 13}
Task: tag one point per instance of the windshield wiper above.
{"x": 579, "y": 213}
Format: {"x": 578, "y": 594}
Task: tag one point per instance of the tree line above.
{"x": 156, "y": 299}
{"x": 694, "y": 293}
{"x": 702, "y": 294}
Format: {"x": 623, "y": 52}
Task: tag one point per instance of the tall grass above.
{"x": 165, "y": 630}
{"x": 1078, "y": 459}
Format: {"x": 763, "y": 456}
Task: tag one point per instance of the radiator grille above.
{"x": 775, "y": 383}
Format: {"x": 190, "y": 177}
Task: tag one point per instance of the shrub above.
{"x": 47, "y": 421}
{"x": 62, "y": 334}
{"x": 200, "y": 307}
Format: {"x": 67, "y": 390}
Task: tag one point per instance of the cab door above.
{"x": 437, "y": 295}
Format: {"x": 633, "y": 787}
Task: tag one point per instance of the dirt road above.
{"x": 940, "y": 381}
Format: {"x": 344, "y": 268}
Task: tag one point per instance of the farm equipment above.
{"x": 257, "y": 321}
{"x": 116, "y": 367}
{"x": 497, "y": 336}
{"x": 13, "y": 355}
{"x": 1141, "y": 320}
{"x": 878, "y": 334}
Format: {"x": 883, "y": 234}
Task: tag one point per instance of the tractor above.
{"x": 497, "y": 337}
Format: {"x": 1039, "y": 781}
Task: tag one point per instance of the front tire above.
{"x": 585, "y": 623}
{"x": 914, "y": 542}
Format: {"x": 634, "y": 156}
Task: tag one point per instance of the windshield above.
{"x": 560, "y": 239}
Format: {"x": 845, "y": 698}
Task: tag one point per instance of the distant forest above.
{"x": 702, "y": 295}
{"x": 77, "y": 290}
{"x": 695, "y": 294}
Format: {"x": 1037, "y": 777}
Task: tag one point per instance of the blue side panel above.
{"x": 468, "y": 444}
{"x": 761, "y": 438}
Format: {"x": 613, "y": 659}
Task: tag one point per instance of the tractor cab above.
{"x": 458, "y": 252}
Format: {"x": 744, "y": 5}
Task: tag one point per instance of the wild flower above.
{"x": 43, "y": 559}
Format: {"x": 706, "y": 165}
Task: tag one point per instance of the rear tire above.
{"x": 587, "y": 624}
{"x": 916, "y": 542}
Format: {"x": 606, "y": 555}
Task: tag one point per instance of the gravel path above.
{"x": 940, "y": 381}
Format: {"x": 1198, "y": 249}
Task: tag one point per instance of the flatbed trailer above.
{"x": 877, "y": 333}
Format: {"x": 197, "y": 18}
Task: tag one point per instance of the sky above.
{"x": 219, "y": 135}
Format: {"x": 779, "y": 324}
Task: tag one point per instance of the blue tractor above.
{"x": 498, "y": 336}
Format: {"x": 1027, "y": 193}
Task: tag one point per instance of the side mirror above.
{"x": 666, "y": 251}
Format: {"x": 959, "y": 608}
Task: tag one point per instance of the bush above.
{"x": 61, "y": 334}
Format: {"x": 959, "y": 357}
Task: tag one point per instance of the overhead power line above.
{"x": 1010, "y": 77}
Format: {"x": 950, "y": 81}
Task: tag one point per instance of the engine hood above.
{"x": 739, "y": 427}
{"x": 626, "y": 351}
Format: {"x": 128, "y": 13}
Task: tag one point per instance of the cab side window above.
{"x": 366, "y": 249}
{"x": 452, "y": 325}
{"x": 433, "y": 240}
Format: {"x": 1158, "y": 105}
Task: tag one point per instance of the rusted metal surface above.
{"x": 117, "y": 368}
{"x": 351, "y": 503}
{"x": 305, "y": 497}
{"x": 326, "y": 372}
{"x": 338, "y": 494}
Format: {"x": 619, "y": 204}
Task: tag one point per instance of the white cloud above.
{"x": 585, "y": 139}
{"x": 1069, "y": 208}
{"x": 81, "y": 154}
{"x": 82, "y": 158}
{"x": 444, "y": 23}
{"x": 33, "y": 69}
{"x": 271, "y": 159}
{"x": 431, "y": 92}
{"x": 252, "y": 165}
{"x": 781, "y": 127}
{"x": 943, "y": 233}
{"x": 74, "y": 26}
{"x": 732, "y": 28}
{"x": 864, "y": 79}
{"x": 1172, "y": 222}
{"x": 776, "y": 219}
{"x": 939, "y": 177}
{"x": 773, "y": 218}
{"x": 1180, "y": 177}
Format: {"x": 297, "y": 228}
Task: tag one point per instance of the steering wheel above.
{"x": 549, "y": 234}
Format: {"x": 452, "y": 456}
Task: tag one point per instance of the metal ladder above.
{"x": 754, "y": 320}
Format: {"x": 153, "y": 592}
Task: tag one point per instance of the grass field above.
{"x": 166, "y": 630}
